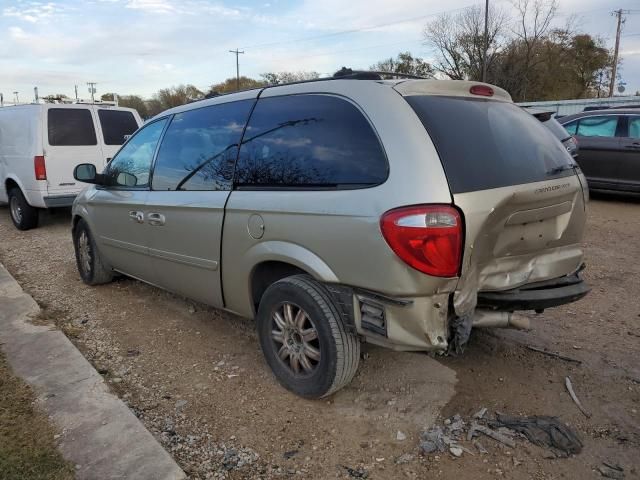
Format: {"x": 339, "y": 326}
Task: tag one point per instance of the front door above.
{"x": 192, "y": 179}
{"x": 117, "y": 208}
{"x": 185, "y": 208}
{"x": 630, "y": 153}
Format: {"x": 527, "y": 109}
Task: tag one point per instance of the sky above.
{"x": 140, "y": 46}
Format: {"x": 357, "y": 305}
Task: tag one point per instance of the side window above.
{"x": 131, "y": 165}
{"x": 634, "y": 127}
{"x": 70, "y": 127}
{"x": 309, "y": 141}
{"x": 598, "y": 126}
{"x": 116, "y": 124}
{"x": 200, "y": 147}
{"x": 571, "y": 127}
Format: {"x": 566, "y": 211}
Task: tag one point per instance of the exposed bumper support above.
{"x": 536, "y": 296}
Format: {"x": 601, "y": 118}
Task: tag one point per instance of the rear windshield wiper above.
{"x": 561, "y": 168}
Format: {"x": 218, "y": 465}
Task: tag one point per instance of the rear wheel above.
{"x": 90, "y": 264}
{"x": 23, "y": 215}
{"x": 304, "y": 339}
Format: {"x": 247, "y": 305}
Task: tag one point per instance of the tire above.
{"x": 23, "y": 215}
{"x": 91, "y": 267}
{"x": 285, "y": 338}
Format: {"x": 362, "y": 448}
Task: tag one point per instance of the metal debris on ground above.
{"x": 490, "y": 433}
{"x": 480, "y": 413}
{"x": 554, "y": 354}
{"x": 432, "y": 440}
{"x": 544, "y": 431}
{"x": 574, "y": 397}
{"x": 611, "y": 471}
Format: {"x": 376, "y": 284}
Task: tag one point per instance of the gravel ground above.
{"x": 196, "y": 378}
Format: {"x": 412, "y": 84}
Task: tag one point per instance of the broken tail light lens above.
{"x": 426, "y": 237}
{"x": 39, "y": 167}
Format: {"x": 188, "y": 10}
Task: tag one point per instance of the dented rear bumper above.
{"x": 536, "y": 296}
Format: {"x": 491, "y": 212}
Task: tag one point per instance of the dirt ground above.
{"x": 196, "y": 378}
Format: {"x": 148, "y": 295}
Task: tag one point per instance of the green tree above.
{"x": 277, "y": 78}
{"x": 176, "y": 96}
{"x": 405, "y": 63}
{"x": 230, "y": 85}
{"x": 136, "y": 102}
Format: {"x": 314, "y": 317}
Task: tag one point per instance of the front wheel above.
{"x": 304, "y": 339}
{"x": 91, "y": 267}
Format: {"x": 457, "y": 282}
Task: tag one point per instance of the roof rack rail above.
{"x": 347, "y": 73}
{"x": 343, "y": 74}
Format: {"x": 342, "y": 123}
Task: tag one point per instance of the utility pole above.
{"x": 76, "y": 86}
{"x": 92, "y": 90}
{"x": 614, "y": 67}
{"x": 238, "y": 53}
{"x": 486, "y": 40}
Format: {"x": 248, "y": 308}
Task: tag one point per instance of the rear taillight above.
{"x": 482, "y": 90}
{"x": 40, "y": 168}
{"x": 426, "y": 237}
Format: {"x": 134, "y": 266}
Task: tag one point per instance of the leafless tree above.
{"x": 459, "y": 41}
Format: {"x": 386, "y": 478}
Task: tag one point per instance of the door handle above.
{"x": 137, "y": 216}
{"x": 156, "y": 219}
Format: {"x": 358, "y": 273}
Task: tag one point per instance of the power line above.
{"x": 353, "y": 30}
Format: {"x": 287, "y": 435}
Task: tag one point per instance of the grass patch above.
{"x": 27, "y": 449}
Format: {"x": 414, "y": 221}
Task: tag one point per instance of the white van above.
{"x": 40, "y": 144}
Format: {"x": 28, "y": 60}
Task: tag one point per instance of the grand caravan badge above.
{"x": 551, "y": 188}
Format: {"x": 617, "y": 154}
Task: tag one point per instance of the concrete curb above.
{"x": 100, "y": 435}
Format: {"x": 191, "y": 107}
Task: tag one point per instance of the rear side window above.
{"x": 597, "y": 126}
{"x": 115, "y": 125}
{"x": 70, "y": 127}
{"x": 200, "y": 147}
{"x": 486, "y": 144}
{"x": 634, "y": 127}
{"x": 310, "y": 141}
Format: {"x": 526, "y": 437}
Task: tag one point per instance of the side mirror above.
{"x": 86, "y": 173}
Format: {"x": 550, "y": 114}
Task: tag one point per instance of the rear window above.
{"x": 70, "y": 127}
{"x": 116, "y": 124}
{"x": 486, "y": 144}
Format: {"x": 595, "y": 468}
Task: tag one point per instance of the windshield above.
{"x": 486, "y": 144}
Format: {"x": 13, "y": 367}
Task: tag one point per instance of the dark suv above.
{"x": 609, "y": 147}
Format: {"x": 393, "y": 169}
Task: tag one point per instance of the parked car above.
{"x": 548, "y": 120}
{"x": 396, "y": 212}
{"x": 609, "y": 147}
{"x": 40, "y": 144}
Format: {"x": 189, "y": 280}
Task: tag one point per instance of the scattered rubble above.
{"x": 544, "y": 431}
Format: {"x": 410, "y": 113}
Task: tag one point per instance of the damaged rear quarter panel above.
{"x": 530, "y": 233}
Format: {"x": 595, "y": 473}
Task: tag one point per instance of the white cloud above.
{"x": 152, "y": 6}
{"x": 33, "y": 12}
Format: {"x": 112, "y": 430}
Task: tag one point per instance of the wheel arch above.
{"x": 269, "y": 262}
